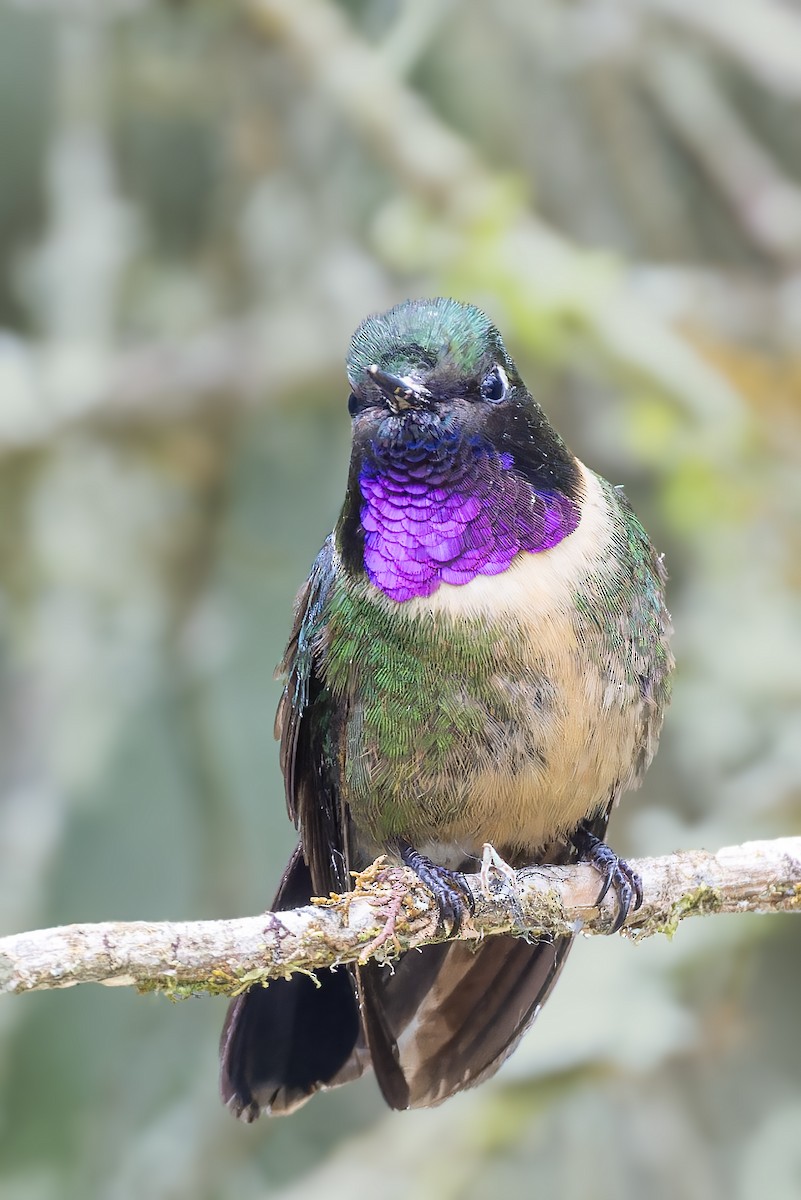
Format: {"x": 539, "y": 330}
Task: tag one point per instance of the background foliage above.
{"x": 198, "y": 202}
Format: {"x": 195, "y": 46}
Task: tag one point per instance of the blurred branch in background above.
{"x": 763, "y": 199}
{"x": 390, "y": 912}
{"x": 539, "y": 267}
{"x": 432, "y": 166}
{"x": 762, "y": 35}
{"x": 226, "y": 366}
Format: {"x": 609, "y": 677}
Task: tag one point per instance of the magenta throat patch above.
{"x": 446, "y": 518}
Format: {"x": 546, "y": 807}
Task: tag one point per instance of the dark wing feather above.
{"x": 305, "y": 726}
{"x": 283, "y": 1042}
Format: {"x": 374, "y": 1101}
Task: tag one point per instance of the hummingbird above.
{"x": 480, "y": 655}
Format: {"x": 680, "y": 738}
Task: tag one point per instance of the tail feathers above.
{"x": 283, "y": 1042}
{"x": 449, "y": 1017}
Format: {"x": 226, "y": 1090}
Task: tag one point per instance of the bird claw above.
{"x": 451, "y": 892}
{"x": 498, "y": 877}
{"x": 616, "y": 874}
{"x": 495, "y": 872}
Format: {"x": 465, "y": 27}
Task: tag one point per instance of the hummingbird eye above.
{"x": 495, "y": 385}
{"x": 353, "y": 404}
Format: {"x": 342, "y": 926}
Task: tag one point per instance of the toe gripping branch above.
{"x": 616, "y": 873}
{"x": 450, "y": 889}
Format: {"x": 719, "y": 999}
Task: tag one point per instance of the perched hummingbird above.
{"x": 480, "y": 655}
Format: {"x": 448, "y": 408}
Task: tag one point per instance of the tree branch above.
{"x": 227, "y": 956}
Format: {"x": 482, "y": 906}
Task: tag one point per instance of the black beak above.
{"x": 400, "y": 391}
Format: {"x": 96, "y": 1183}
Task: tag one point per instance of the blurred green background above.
{"x": 198, "y": 203}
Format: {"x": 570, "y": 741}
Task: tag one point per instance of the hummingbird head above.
{"x": 455, "y": 468}
{"x": 440, "y": 367}
{"x": 436, "y": 356}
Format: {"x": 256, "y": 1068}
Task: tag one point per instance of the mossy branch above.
{"x": 226, "y": 956}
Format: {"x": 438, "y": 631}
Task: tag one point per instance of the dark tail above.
{"x": 450, "y": 1016}
{"x": 283, "y": 1042}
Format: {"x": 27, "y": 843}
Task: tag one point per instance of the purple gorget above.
{"x": 444, "y": 510}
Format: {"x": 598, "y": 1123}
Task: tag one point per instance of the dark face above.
{"x": 388, "y": 408}
{"x": 434, "y": 370}
{"x": 430, "y": 365}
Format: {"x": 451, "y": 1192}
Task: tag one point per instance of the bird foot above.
{"x": 494, "y": 871}
{"x": 453, "y": 896}
{"x": 498, "y": 878}
{"x": 616, "y": 873}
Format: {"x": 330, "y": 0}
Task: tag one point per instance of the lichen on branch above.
{"x": 390, "y": 911}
